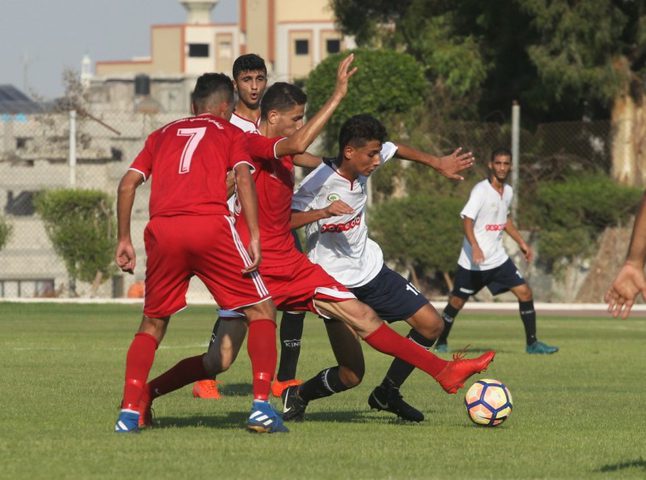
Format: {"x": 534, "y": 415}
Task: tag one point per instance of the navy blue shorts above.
{"x": 498, "y": 280}
{"x": 391, "y": 296}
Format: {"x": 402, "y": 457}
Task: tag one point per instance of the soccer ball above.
{"x": 488, "y": 402}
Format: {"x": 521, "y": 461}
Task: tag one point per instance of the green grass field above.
{"x": 577, "y": 414}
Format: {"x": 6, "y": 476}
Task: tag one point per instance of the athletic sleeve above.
{"x": 239, "y": 150}
{"x": 388, "y": 151}
{"x": 143, "y": 163}
{"x": 474, "y": 204}
{"x": 308, "y": 192}
{"x": 262, "y": 148}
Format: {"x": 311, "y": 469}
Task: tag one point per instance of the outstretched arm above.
{"x": 630, "y": 280}
{"x": 125, "y": 253}
{"x": 307, "y": 160}
{"x": 303, "y": 138}
{"x": 448, "y": 165}
{"x": 246, "y": 191}
{"x": 337, "y": 207}
{"x": 513, "y": 232}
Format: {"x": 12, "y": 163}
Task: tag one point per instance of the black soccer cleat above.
{"x": 293, "y": 405}
{"x": 390, "y": 400}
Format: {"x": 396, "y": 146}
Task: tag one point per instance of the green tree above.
{"x": 5, "y": 232}
{"x": 388, "y": 85}
{"x": 422, "y": 233}
{"x": 80, "y": 225}
{"x": 562, "y": 60}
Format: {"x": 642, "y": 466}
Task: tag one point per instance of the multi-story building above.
{"x": 291, "y": 35}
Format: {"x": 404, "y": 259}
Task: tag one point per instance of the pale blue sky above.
{"x": 48, "y": 35}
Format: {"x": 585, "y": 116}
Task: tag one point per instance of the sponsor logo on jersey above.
{"x": 495, "y": 227}
{"x": 333, "y": 197}
{"x": 341, "y": 227}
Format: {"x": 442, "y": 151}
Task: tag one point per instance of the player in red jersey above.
{"x": 250, "y": 81}
{"x": 294, "y": 282}
{"x": 190, "y": 232}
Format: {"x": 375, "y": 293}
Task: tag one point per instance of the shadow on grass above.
{"x": 237, "y": 420}
{"x": 616, "y": 467}
{"x": 235, "y": 389}
{"x": 231, "y": 420}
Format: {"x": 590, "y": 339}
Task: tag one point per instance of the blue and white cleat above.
{"x": 128, "y": 422}
{"x": 264, "y": 419}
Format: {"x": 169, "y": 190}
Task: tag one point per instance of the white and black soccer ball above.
{"x": 488, "y": 402}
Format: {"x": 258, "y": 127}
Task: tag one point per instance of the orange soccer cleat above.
{"x": 453, "y": 376}
{"x": 278, "y": 387}
{"x": 206, "y": 389}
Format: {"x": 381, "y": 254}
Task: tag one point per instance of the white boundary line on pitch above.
{"x": 493, "y": 306}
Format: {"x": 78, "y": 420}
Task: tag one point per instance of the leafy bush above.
{"x": 5, "y": 232}
{"x": 80, "y": 225}
{"x": 571, "y": 214}
{"x": 387, "y": 85}
{"x": 423, "y": 232}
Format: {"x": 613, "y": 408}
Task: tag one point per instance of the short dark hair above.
{"x": 248, "y": 62}
{"x": 500, "y": 152}
{"x": 281, "y": 96}
{"x": 210, "y": 84}
{"x": 358, "y": 130}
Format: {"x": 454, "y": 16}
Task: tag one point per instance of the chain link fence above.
{"x": 36, "y": 154}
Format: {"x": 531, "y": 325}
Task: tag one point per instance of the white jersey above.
{"x": 341, "y": 244}
{"x": 244, "y": 124}
{"x": 489, "y": 211}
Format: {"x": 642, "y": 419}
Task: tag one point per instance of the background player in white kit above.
{"x": 483, "y": 260}
{"x": 331, "y": 201}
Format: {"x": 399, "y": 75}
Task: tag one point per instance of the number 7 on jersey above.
{"x": 195, "y": 136}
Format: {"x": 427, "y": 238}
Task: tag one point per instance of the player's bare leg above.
{"x": 347, "y": 374}
{"x": 427, "y": 326}
{"x": 139, "y": 361}
{"x": 528, "y": 316}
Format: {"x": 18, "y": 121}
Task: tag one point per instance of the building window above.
{"x": 302, "y": 47}
{"x": 198, "y": 49}
{"x": 333, "y": 45}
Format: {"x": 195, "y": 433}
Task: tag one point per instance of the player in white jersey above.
{"x": 250, "y": 81}
{"x": 331, "y": 202}
{"x": 483, "y": 260}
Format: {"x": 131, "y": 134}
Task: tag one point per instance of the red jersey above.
{"x": 274, "y": 178}
{"x": 188, "y": 160}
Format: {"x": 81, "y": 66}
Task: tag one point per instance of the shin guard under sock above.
{"x": 261, "y": 347}
{"x": 139, "y": 361}
{"x": 291, "y": 332}
{"x": 388, "y": 341}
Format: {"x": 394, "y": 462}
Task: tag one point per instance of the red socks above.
{"x": 388, "y": 341}
{"x": 183, "y": 373}
{"x": 261, "y": 346}
{"x": 139, "y": 361}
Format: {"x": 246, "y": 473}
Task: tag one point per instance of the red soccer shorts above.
{"x": 207, "y": 246}
{"x": 295, "y": 282}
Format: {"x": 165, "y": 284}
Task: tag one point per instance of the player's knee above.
{"x": 262, "y": 310}
{"x": 432, "y": 330}
{"x": 216, "y": 362}
{"x": 351, "y": 377}
{"x": 524, "y": 294}
{"x": 155, "y": 327}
